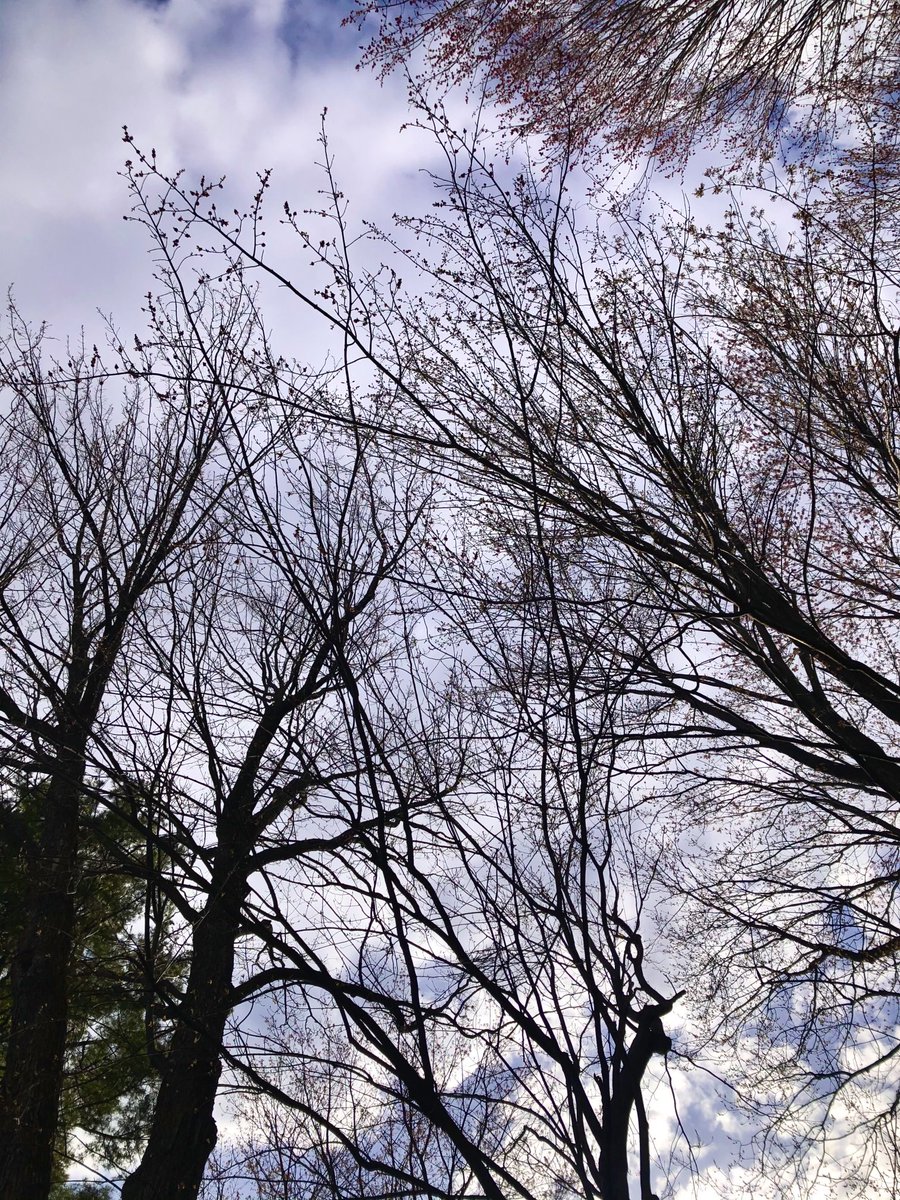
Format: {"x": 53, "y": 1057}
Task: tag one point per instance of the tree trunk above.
{"x": 39, "y": 986}
{"x": 183, "y": 1132}
{"x": 614, "y": 1151}
{"x": 649, "y": 1039}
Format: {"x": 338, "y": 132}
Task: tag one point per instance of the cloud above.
{"x": 221, "y": 86}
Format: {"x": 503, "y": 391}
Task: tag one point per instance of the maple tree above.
{"x": 648, "y": 75}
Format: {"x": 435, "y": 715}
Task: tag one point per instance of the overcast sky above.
{"x": 221, "y": 86}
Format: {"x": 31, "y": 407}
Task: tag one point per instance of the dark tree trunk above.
{"x": 614, "y": 1151}
{"x": 39, "y": 986}
{"x": 649, "y": 1039}
{"x": 183, "y": 1132}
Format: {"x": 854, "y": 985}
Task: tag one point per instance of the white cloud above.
{"x": 225, "y": 86}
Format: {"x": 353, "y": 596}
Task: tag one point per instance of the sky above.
{"x": 216, "y": 86}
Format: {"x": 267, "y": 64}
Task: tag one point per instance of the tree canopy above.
{"x": 650, "y": 76}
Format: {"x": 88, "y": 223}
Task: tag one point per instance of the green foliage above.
{"x": 80, "y": 1191}
{"x": 110, "y": 1082}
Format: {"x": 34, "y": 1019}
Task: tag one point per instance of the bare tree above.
{"x": 101, "y": 499}
{"x": 433, "y": 854}
{"x": 707, "y": 420}
{"x": 502, "y": 930}
{"x": 713, "y": 421}
{"x": 662, "y": 611}
{"x": 257, "y": 650}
